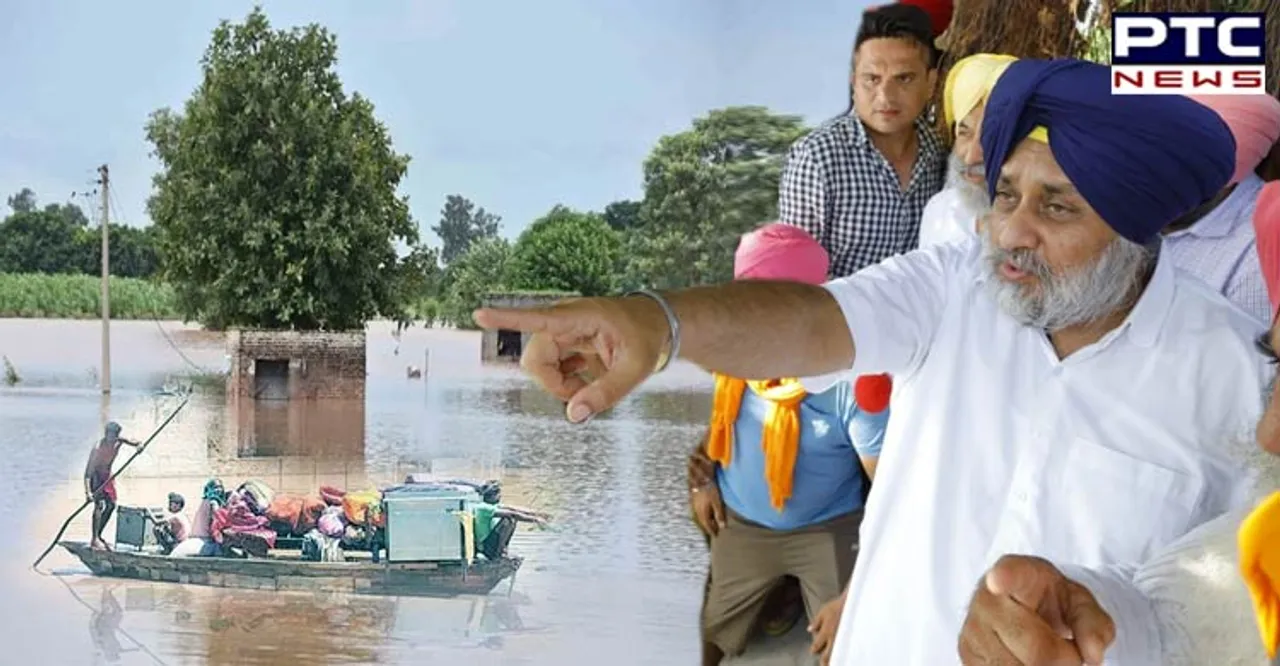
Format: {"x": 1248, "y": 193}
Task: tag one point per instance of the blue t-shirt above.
{"x": 828, "y": 477}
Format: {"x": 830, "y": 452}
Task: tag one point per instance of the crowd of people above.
{"x": 1072, "y": 317}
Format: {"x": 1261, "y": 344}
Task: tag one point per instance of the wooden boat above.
{"x": 287, "y": 571}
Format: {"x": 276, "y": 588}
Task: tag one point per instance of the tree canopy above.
{"x": 461, "y": 224}
{"x": 567, "y": 250}
{"x": 484, "y": 268}
{"x": 704, "y": 188}
{"x": 276, "y": 202}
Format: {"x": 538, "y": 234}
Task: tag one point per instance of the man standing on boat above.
{"x": 99, "y": 487}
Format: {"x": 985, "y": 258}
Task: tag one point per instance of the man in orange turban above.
{"x": 789, "y": 473}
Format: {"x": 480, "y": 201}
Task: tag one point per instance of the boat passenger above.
{"x": 200, "y": 542}
{"x": 99, "y": 487}
{"x": 174, "y": 527}
{"x": 495, "y": 524}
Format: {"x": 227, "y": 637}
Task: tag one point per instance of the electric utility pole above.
{"x": 105, "y": 182}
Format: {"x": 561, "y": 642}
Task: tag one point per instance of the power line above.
{"x": 160, "y": 326}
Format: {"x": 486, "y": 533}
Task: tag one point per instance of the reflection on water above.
{"x": 331, "y": 429}
{"x": 232, "y": 627}
{"x": 622, "y": 565}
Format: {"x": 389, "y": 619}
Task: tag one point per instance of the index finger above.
{"x": 525, "y": 320}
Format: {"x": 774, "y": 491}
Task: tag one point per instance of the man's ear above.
{"x": 933, "y": 78}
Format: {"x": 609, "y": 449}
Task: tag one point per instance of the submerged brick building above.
{"x": 288, "y": 365}
{"x": 296, "y": 393}
{"x": 508, "y": 345}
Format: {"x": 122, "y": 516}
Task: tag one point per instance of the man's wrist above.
{"x": 661, "y": 316}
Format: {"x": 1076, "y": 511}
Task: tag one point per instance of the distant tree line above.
{"x": 58, "y": 238}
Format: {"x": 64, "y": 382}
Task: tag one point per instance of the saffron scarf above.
{"x": 781, "y": 428}
{"x": 1260, "y": 567}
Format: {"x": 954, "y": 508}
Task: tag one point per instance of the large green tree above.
{"x": 704, "y": 188}
{"x": 567, "y": 250}
{"x": 461, "y": 224}
{"x": 276, "y": 201}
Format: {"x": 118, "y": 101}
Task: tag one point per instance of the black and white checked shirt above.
{"x": 838, "y": 187}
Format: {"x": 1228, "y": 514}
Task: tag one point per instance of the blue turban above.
{"x": 1140, "y": 161}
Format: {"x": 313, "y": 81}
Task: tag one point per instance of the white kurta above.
{"x": 1094, "y": 462}
{"x": 946, "y": 220}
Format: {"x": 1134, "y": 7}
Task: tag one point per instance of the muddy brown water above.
{"x": 618, "y": 577}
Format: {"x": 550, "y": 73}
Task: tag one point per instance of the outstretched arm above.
{"x": 521, "y": 515}
{"x": 88, "y": 474}
{"x": 760, "y": 329}
{"x": 591, "y": 352}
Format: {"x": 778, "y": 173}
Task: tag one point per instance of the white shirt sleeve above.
{"x": 894, "y": 308}
{"x": 1137, "y": 631}
{"x": 1186, "y": 605}
{"x": 1200, "y": 600}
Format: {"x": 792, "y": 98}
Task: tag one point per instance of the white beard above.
{"x": 973, "y": 199}
{"x": 1200, "y": 600}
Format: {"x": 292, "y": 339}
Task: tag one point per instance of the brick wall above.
{"x": 321, "y": 365}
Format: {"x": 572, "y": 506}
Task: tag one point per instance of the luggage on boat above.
{"x": 258, "y": 495}
{"x": 294, "y": 515}
{"x": 430, "y": 524}
{"x": 332, "y": 496}
{"x": 317, "y": 547}
{"x": 364, "y": 508}
{"x": 332, "y": 523}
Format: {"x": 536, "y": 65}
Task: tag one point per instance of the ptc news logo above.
{"x": 1176, "y": 53}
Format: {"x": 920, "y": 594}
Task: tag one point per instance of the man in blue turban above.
{"x": 1087, "y": 183}
{"x": 1066, "y": 389}
{"x": 1133, "y": 163}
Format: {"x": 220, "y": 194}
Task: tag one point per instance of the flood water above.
{"x": 618, "y": 576}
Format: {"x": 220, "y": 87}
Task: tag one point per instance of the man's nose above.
{"x": 972, "y": 153}
{"x": 1014, "y": 232}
